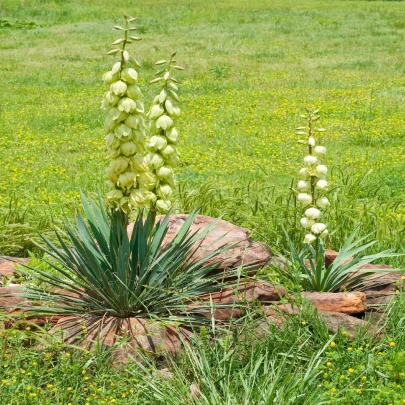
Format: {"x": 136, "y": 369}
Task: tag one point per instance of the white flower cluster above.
{"x": 312, "y": 185}
{"x": 163, "y": 155}
{"x": 128, "y": 173}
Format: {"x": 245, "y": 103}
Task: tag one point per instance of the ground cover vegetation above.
{"x": 251, "y": 67}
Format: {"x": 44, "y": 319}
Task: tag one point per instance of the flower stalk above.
{"x": 125, "y": 129}
{"x": 163, "y": 156}
{"x": 313, "y": 183}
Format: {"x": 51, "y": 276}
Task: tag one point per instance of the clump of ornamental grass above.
{"x": 308, "y": 266}
{"x": 98, "y": 268}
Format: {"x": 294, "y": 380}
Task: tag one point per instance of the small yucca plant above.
{"x": 345, "y": 272}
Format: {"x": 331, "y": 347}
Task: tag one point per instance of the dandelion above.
{"x": 392, "y": 344}
{"x": 332, "y": 344}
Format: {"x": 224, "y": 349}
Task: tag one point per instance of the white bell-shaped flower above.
{"x": 312, "y": 213}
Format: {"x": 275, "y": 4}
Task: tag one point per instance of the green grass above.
{"x": 298, "y": 365}
{"x": 252, "y": 66}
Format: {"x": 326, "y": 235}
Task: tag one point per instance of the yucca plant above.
{"x": 345, "y": 271}
{"x": 102, "y": 270}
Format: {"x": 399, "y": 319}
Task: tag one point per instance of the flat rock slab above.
{"x": 10, "y": 299}
{"x": 344, "y": 302}
{"x": 137, "y": 335}
{"x": 351, "y": 325}
{"x": 7, "y": 265}
{"x": 245, "y": 252}
{"x": 228, "y": 302}
{"x": 334, "y": 321}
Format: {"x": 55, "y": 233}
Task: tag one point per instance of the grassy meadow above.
{"x": 251, "y": 68}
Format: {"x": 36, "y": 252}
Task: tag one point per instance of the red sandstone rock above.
{"x": 136, "y": 335}
{"x": 7, "y": 265}
{"x": 344, "y": 302}
{"x": 334, "y": 321}
{"x": 246, "y": 251}
{"x": 10, "y": 299}
{"x": 351, "y": 325}
{"x": 225, "y": 302}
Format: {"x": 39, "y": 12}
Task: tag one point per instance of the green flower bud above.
{"x": 172, "y": 135}
{"x": 116, "y": 67}
{"x": 164, "y": 122}
{"x": 176, "y": 112}
{"x": 138, "y": 164}
{"x": 155, "y": 112}
{"x": 127, "y": 104}
{"x": 134, "y": 92}
{"x": 118, "y": 88}
{"x": 173, "y": 160}
{"x": 124, "y": 204}
{"x": 154, "y": 160}
{"x": 122, "y": 130}
{"x": 153, "y": 129}
{"x": 138, "y": 136}
{"x": 116, "y": 115}
{"x": 142, "y": 197}
{"x": 115, "y": 195}
{"x": 111, "y": 98}
{"x": 141, "y": 147}
{"x": 163, "y": 206}
{"x": 119, "y": 164}
{"x": 129, "y": 75}
{"x": 139, "y": 107}
{"x": 109, "y": 124}
{"x": 162, "y": 96}
{"x": 155, "y": 100}
{"x": 309, "y": 238}
{"x": 128, "y": 148}
{"x": 134, "y": 121}
{"x": 138, "y": 197}
{"x": 169, "y": 150}
{"x": 165, "y": 173}
{"x": 147, "y": 180}
{"x": 169, "y": 107}
{"x": 109, "y": 77}
{"x": 109, "y": 139}
{"x": 157, "y": 142}
{"x": 164, "y": 191}
{"x": 127, "y": 179}
{"x": 113, "y": 153}
{"x": 111, "y": 175}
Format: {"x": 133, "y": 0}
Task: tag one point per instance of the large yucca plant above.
{"x": 103, "y": 271}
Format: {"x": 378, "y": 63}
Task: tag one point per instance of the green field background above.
{"x": 251, "y": 68}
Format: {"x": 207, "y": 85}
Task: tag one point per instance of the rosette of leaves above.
{"x": 313, "y": 184}
{"x": 163, "y": 156}
{"x": 125, "y": 128}
{"x": 99, "y": 270}
{"x": 308, "y": 269}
